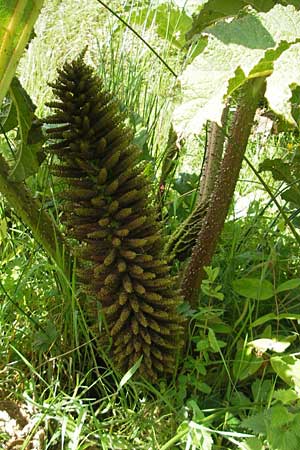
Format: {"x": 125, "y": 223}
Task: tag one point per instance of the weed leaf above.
{"x": 253, "y": 288}
{"x": 288, "y": 285}
{"x": 287, "y": 368}
{"x": 129, "y": 374}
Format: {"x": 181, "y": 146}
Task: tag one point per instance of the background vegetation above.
{"x": 237, "y": 383}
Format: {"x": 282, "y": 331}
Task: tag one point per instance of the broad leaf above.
{"x": 286, "y": 75}
{"x": 234, "y": 51}
{"x": 288, "y": 285}
{"x": 253, "y": 288}
{"x": 280, "y": 427}
{"x": 246, "y": 363}
{"x": 285, "y": 396}
{"x": 264, "y": 344}
{"x": 8, "y": 116}
{"x": 287, "y": 368}
{"x": 214, "y": 10}
{"x": 253, "y": 443}
{"x": 27, "y": 158}
{"x": 283, "y": 430}
{"x": 256, "y": 423}
{"x": 287, "y": 172}
{"x": 281, "y": 171}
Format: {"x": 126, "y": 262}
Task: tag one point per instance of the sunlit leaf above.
{"x": 287, "y": 368}
{"x": 201, "y": 437}
{"x": 234, "y": 48}
{"x": 264, "y": 344}
{"x": 246, "y": 363}
{"x": 171, "y": 22}
{"x": 286, "y": 75}
{"x": 285, "y": 396}
{"x": 214, "y": 10}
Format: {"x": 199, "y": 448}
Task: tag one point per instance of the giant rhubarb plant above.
{"x": 255, "y": 52}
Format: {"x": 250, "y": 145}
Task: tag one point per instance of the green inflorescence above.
{"x": 107, "y": 209}
{"x": 180, "y": 244}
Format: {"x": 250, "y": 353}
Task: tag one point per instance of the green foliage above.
{"x": 215, "y": 10}
{"x": 8, "y": 116}
{"x": 209, "y": 287}
{"x": 197, "y": 436}
{"x": 253, "y": 288}
{"x": 232, "y": 54}
{"x": 278, "y": 425}
{"x": 286, "y": 75}
{"x": 246, "y": 362}
{"x": 171, "y": 22}
{"x": 286, "y": 396}
{"x": 286, "y": 170}
{"x": 20, "y": 113}
{"x": 236, "y": 366}
{"x": 288, "y": 369}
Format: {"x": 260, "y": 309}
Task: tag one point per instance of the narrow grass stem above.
{"x": 273, "y": 197}
{"x": 139, "y": 36}
{"x": 175, "y": 439}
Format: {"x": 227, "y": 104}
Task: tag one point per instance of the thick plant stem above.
{"x": 224, "y": 188}
{"x": 213, "y": 158}
{"x": 18, "y": 18}
{"x": 30, "y": 211}
{"x": 182, "y": 241}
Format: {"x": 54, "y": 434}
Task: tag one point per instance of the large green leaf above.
{"x": 253, "y": 288}
{"x": 287, "y": 368}
{"x": 253, "y": 443}
{"x": 243, "y": 48}
{"x": 214, "y": 10}
{"x": 30, "y": 141}
{"x": 286, "y": 76}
